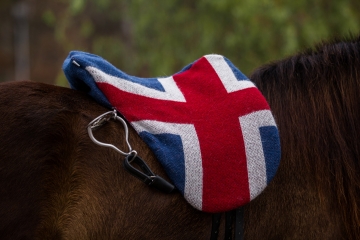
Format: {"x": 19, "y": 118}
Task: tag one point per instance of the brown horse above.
{"x": 55, "y": 183}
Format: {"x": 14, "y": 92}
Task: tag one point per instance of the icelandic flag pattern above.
{"x": 208, "y": 125}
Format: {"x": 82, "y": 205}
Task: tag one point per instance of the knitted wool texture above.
{"x": 208, "y": 125}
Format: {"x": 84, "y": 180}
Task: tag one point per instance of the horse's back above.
{"x": 39, "y": 133}
{"x": 55, "y": 183}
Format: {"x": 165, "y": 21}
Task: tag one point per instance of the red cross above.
{"x": 215, "y": 115}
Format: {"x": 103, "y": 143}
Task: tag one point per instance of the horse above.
{"x": 55, "y": 183}
{"x": 314, "y": 96}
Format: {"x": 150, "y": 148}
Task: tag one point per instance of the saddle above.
{"x": 208, "y": 125}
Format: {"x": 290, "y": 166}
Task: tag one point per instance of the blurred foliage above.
{"x": 158, "y": 38}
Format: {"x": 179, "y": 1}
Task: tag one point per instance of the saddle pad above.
{"x": 208, "y": 125}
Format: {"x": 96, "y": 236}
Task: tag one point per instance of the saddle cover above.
{"x": 208, "y": 125}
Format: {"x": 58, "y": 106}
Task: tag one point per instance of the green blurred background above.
{"x": 151, "y": 38}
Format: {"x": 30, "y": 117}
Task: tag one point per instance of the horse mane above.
{"x": 315, "y": 98}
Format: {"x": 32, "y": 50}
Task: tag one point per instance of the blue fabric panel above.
{"x": 272, "y": 151}
{"x": 87, "y": 59}
{"x": 168, "y": 149}
{"x": 238, "y": 74}
{"x": 81, "y": 80}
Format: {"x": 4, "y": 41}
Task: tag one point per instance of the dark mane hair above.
{"x": 315, "y": 97}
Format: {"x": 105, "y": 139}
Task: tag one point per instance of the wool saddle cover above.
{"x": 208, "y": 125}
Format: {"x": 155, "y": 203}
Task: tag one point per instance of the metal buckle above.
{"x": 144, "y": 174}
{"x": 101, "y": 120}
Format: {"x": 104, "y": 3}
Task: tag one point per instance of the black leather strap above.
{"x": 216, "y": 217}
{"x": 239, "y": 223}
{"x": 233, "y": 220}
{"x": 146, "y": 175}
{"x": 229, "y": 218}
